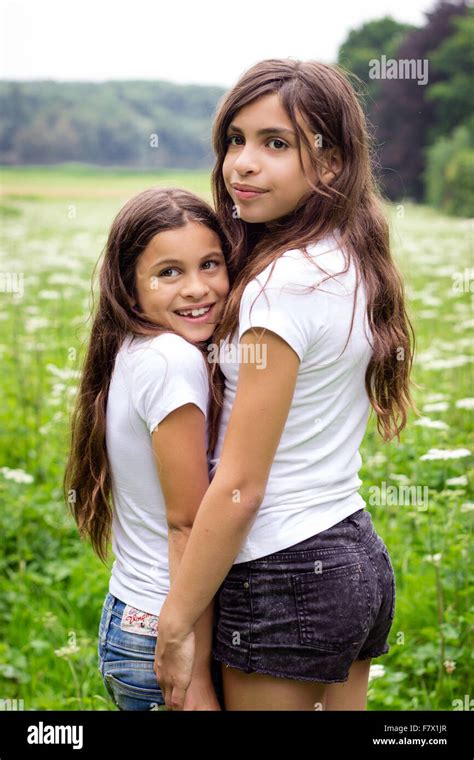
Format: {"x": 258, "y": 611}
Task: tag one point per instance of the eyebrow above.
{"x": 266, "y": 131}
{"x": 181, "y": 261}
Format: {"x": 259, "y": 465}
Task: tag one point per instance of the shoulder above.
{"x": 295, "y": 261}
{"x": 295, "y": 267}
{"x": 167, "y": 351}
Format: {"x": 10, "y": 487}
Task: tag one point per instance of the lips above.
{"x": 245, "y": 195}
{"x": 249, "y": 189}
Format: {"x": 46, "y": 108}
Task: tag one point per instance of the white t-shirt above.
{"x": 152, "y": 377}
{"x": 313, "y": 482}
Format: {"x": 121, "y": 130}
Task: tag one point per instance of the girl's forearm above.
{"x": 221, "y": 525}
{"x": 177, "y": 541}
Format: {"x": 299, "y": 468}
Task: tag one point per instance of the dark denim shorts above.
{"x": 126, "y": 660}
{"x": 309, "y": 611}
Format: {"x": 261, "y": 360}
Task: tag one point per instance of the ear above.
{"x": 333, "y": 161}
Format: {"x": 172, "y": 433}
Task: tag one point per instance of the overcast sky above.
{"x": 200, "y": 42}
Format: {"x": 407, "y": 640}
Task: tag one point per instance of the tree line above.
{"x": 415, "y": 84}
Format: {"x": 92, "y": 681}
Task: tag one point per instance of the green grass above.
{"x": 54, "y": 226}
{"x": 68, "y": 181}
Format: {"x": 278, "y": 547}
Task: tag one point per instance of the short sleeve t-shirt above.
{"x": 151, "y": 378}
{"x": 313, "y": 482}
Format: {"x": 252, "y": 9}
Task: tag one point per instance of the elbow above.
{"x": 254, "y": 500}
{"x": 179, "y": 526}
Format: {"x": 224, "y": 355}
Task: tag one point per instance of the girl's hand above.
{"x": 174, "y": 658}
{"x": 201, "y": 695}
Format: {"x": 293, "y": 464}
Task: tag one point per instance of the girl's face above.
{"x": 262, "y": 153}
{"x": 182, "y": 270}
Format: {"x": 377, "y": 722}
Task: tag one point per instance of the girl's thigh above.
{"x": 259, "y": 691}
{"x": 351, "y": 694}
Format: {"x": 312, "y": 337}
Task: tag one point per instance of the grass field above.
{"x": 54, "y": 227}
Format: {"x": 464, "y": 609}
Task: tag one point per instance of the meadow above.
{"x": 419, "y": 491}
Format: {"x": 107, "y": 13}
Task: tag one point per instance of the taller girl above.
{"x": 307, "y": 591}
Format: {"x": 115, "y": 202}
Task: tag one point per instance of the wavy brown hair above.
{"x": 351, "y": 202}
{"x": 87, "y": 481}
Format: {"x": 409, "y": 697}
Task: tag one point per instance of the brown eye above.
{"x": 231, "y": 137}
{"x": 277, "y": 140}
{"x": 170, "y": 269}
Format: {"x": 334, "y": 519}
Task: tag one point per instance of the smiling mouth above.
{"x": 195, "y": 315}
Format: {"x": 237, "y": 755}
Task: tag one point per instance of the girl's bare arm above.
{"x": 231, "y": 502}
{"x": 179, "y": 448}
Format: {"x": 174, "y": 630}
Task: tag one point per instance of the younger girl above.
{"x": 139, "y": 431}
{"x": 314, "y": 332}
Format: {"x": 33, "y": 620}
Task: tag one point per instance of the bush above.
{"x": 449, "y": 174}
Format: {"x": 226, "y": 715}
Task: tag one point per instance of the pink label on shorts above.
{"x": 138, "y": 621}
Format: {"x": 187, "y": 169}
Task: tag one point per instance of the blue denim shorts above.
{"x": 309, "y": 611}
{"x": 126, "y": 661}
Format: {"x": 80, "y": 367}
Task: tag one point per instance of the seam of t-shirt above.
{"x": 140, "y": 357}
{"x": 193, "y": 399}
{"x": 298, "y": 347}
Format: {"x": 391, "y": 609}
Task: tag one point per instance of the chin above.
{"x": 198, "y": 338}
{"x": 252, "y": 218}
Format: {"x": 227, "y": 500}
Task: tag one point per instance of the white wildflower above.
{"x": 460, "y": 481}
{"x": 49, "y": 295}
{"x": 445, "y": 454}
{"x": 449, "y": 363}
{"x": 66, "y": 651}
{"x": 467, "y": 324}
{"x": 438, "y": 406}
{"x": 434, "y": 558}
{"x": 449, "y": 665}
{"x": 432, "y": 397}
{"x": 429, "y": 423}
{"x": 465, "y": 403}
{"x": 65, "y": 373}
{"x": 377, "y": 458}
{"x": 36, "y": 323}
{"x": 376, "y": 671}
{"x": 19, "y": 476}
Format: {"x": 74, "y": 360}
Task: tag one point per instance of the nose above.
{"x": 194, "y": 286}
{"x": 246, "y": 161}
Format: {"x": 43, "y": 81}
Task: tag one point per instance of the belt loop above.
{"x": 106, "y": 624}
{"x": 355, "y": 523}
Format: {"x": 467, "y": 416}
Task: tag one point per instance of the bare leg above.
{"x": 258, "y": 691}
{"x": 352, "y": 694}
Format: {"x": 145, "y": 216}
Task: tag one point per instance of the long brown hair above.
{"x": 87, "y": 482}
{"x": 351, "y": 203}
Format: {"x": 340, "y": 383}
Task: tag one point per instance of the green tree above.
{"x": 453, "y": 62}
{"x": 371, "y": 40}
{"x": 449, "y": 174}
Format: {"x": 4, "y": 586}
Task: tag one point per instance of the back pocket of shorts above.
{"x": 333, "y": 607}
{"x": 133, "y": 685}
